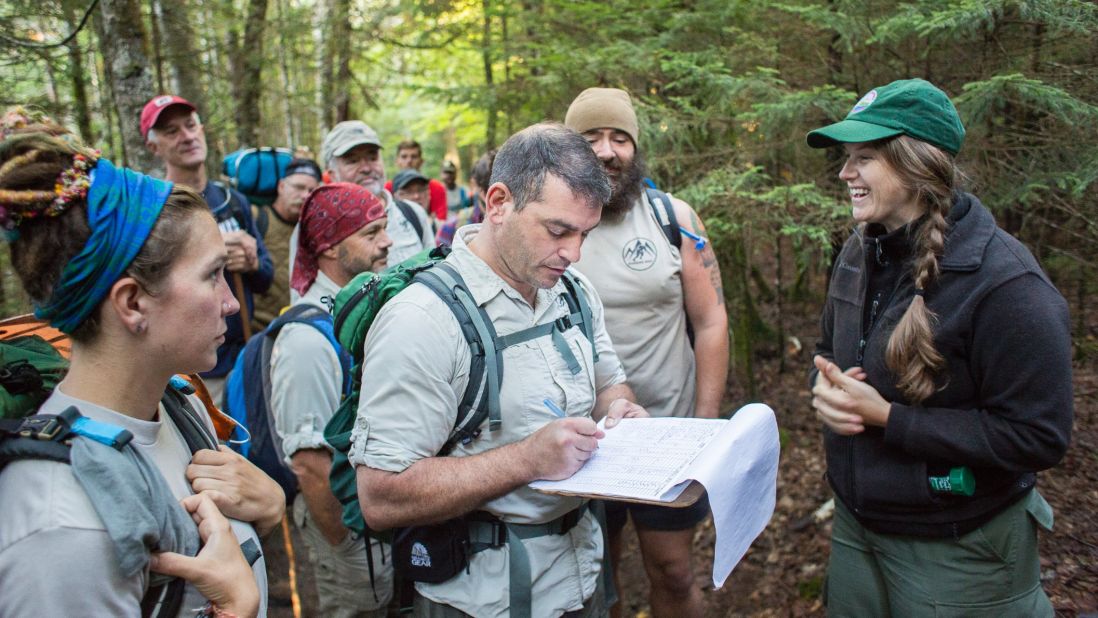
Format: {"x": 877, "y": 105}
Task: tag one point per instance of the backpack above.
{"x": 255, "y": 172}
{"x": 449, "y": 544}
{"x": 357, "y": 305}
{"x": 248, "y": 393}
{"x": 31, "y": 369}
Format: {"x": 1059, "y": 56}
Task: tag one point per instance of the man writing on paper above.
{"x": 652, "y": 289}
{"x": 533, "y": 554}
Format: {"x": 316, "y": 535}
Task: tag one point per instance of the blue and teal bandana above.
{"x": 123, "y": 206}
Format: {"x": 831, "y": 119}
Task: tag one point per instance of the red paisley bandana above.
{"x": 332, "y": 212}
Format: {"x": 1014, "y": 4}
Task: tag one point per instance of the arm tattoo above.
{"x": 709, "y": 261}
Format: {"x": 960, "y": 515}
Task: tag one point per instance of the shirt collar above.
{"x": 321, "y": 289}
{"x": 483, "y": 282}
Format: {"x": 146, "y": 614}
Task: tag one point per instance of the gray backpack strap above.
{"x": 483, "y": 393}
{"x": 664, "y": 212}
{"x": 186, "y": 419}
{"x": 409, "y": 214}
{"x": 577, "y": 301}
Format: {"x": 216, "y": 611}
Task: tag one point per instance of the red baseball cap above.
{"x": 156, "y": 106}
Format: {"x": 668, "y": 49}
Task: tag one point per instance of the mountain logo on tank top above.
{"x": 639, "y": 254}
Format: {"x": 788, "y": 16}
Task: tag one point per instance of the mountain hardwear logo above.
{"x": 420, "y": 557}
{"x": 639, "y": 254}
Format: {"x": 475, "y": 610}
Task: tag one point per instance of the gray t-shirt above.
{"x": 56, "y": 558}
{"x": 638, "y": 275}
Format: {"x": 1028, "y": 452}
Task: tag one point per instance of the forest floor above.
{"x": 783, "y": 572}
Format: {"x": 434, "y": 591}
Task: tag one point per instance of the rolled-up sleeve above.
{"x": 306, "y": 380}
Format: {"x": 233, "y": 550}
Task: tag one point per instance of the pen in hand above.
{"x": 553, "y": 407}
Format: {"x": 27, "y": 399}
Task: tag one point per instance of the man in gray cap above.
{"x": 351, "y": 151}
{"x": 655, "y": 287}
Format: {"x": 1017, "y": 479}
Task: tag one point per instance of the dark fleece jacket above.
{"x": 1004, "y": 404}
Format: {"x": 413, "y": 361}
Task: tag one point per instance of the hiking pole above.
{"x": 245, "y": 319}
{"x": 295, "y": 598}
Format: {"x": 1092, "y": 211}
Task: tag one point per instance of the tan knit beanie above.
{"x": 602, "y": 108}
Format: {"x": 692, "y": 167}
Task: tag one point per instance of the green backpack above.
{"x": 359, "y": 302}
{"x": 30, "y": 368}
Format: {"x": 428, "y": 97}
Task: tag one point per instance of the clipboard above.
{"x": 689, "y": 496}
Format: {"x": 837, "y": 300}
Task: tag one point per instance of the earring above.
{"x": 140, "y": 328}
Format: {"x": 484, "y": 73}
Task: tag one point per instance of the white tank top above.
{"x": 638, "y": 276}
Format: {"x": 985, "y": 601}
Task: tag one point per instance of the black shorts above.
{"x": 656, "y": 517}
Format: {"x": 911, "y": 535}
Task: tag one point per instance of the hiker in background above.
{"x": 478, "y": 180}
{"x": 942, "y": 378}
{"x": 130, "y": 268}
{"x": 655, "y": 288}
{"x": 351, "y": 152}
{"x": 547, "y": 192}
{"x": 410, "y": 157}
{"x": 456, "y": 196}
{"x": 302, "y": 176}
{"x": 174, "y": 133}
{"x": 411, "y": 186}
{"x": 342, "y": 234}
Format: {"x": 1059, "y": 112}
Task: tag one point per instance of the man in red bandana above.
{"x": 342, "y": 234}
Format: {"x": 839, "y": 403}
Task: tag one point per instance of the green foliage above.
{"x": 811, "y": 588}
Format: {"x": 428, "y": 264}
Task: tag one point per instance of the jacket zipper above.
{"x": 866, "y": 330}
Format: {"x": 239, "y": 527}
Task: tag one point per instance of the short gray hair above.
{"x": 150, "y": 137}
{"x": 550, "y": 147}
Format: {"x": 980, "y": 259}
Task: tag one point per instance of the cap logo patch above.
{"x": 162, "y": 101}
{"x": 866, "y": 101}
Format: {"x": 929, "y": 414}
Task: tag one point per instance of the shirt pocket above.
{"x": 575, "y": 392}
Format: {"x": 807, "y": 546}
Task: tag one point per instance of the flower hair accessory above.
{"x": 71, "y": 185}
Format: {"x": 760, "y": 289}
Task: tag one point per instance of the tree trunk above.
{"x": 342, "y": 99}
{"x": 486, "y": 53}
{"x": 157, "y": 47}
{"x": 180, "y": 54}
{"x": 326, "y": 63}
{"x": 284, "y": 75}
{"x": 124, "y": 47}
{"x": 247, "y": 84}
{"x": 81, "y": 112}
{"x": 336, "y": 64}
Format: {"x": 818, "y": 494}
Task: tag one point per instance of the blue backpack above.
{"x": 248, "y": 393}
{"x": 255, "y": 172}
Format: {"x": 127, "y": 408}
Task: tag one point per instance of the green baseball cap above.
{"x": 912, "y": 107}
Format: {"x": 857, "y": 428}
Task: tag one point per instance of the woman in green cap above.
{"x": 942, "y": 378}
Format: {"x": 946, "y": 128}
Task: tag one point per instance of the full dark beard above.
{"x": 627, "y": 190}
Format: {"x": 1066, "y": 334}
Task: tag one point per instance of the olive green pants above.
{"x": 992, "y": 571}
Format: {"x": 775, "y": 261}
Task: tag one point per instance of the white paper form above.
{"x": 740, "y": 472}
{"x": 736, "y": 460}
{"x": 642, "y": 458}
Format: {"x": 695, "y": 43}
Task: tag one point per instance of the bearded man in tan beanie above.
{"x": 657, "y": 284}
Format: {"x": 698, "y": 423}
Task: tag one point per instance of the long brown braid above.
{"x": 931, "y": 175}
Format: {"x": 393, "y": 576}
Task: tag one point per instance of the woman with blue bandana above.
{"x": 942, "y": 378}
{"x": 129, "y": 267}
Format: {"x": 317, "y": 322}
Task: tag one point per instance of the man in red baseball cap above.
{"x": 174, "y": 134}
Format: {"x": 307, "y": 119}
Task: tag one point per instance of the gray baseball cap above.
{"x": 345, "y": 136}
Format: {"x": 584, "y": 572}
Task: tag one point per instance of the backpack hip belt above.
{"x": 487, "y": 532}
